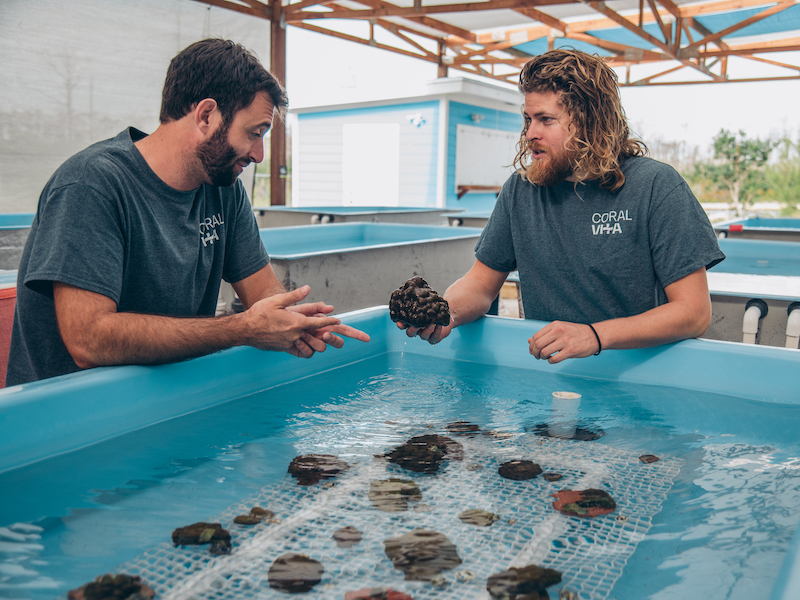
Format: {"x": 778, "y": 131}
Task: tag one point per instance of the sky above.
{"x": 690, "y": 113}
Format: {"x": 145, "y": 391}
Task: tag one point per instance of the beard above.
{"x": 219, "y": 158}
{"x": 555, "y": 168}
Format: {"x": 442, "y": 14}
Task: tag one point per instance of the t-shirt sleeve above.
{"x": 495, "y": 247}
{"x": 682, "y": 239}
{"x": 79, "y": 241}
{"x": 245, "y": 253}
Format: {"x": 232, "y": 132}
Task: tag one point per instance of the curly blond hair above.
{"x": 587, "y": 89}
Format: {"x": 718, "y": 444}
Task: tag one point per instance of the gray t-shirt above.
{"x": 586, "y": 254}
{"x": 107, "y": 223}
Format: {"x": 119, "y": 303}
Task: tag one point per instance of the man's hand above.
{"x": 559, "y": 341}
{"x": 433, "y": 334}
{"x": 316, "y": 340}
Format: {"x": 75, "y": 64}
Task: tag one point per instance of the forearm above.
{"x": 667, "y": 323}
{"x": 469, "y": 299}
{"x": 131, "y": 338}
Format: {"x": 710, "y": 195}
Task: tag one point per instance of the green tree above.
{"x": 783, "y": 177}
{"x": 737, "y": 166}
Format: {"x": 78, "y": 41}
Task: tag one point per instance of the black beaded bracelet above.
{"x": 599, "y": 345}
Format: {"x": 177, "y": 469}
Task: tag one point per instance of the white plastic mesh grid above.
{"x": 590, "y": 553}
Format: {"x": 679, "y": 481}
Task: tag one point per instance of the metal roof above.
{"x": 651, "y": 42}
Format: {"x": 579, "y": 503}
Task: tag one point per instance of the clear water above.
{"x": 715, "y": 518}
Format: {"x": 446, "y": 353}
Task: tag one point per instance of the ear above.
{"x": 206, "y": 115}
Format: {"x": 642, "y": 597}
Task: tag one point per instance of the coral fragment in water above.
{"x": 519, "y": 470}
{"x": 113, "y": 587}
{"x": 553, "y": 476}
{"x": 376, "y": 593}
{"x": 426, "y": 453}
{"x": 478, "y": 517}
{"x": 523, "y": 583}
{"x": 580, "y": 434}
{"x": 584, "y": 503}
{"x": 463, "y": 428}
{"x": 416, "y": 304}
{"x": 308, "y": 469}
{"x": 295, "y": 573}
{"x": 422, "y": 554}
{"x": 203, "y": 533}
{"x": 393, "y": 495}
{"x": 648, "y": 458}
{"x": 347, "y": 536}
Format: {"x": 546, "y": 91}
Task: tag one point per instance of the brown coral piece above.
{"x": 393, "y": 495}
{"x": 422, "y": 554}
{"x": 113, "y": 587}
{"x": 584, "y": 503}
{"x": 553, "y": 477}
{"x": 522, "y": 583}
{"x": 347, "y": 536}
{"x": 519, "y": 470}
{"x": 308, "y": 469}
{"x": 463, "y": 428}
{"x": 426, "y": 453}
{"x": 416, "y": 304}
{"x": 203, "y": 533}
{"x": 295, "y": 573}
{"x": 648, "y": 458}
{"x": 478, "y": 517}
{"x": 376, "y": 593}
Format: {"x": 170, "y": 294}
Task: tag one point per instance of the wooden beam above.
{"x": 247, "y": 10}
{"x": 435, "y": 24}
{"x": 543, "y": 18}
{"x": 398, "y": 11}
{"x": 741, "y": 25}
{"x": 277, "y": 56}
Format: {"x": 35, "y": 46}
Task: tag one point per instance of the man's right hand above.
{"x": 433, "y": 334}
{"x": 270, "y": 326}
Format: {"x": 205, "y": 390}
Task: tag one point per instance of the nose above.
{"x": 257, "y": 151}
{"x": 532, "y": 133}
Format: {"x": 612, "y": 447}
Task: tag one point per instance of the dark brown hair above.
{"x": 587, "y": 89}
{"x": 219, "y": 69}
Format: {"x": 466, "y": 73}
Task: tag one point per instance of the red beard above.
{"x": 552, "y": 169}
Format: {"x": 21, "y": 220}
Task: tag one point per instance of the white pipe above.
{"x": 793, "y": 329}
{"x": 564, "y": 409}
{"x": 750, "y": 324}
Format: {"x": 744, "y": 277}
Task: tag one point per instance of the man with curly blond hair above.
{"x": 612, "y": 247}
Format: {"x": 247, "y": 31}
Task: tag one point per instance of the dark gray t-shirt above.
{"x": 107, "y": 223}
{"x": 586, "y": 255}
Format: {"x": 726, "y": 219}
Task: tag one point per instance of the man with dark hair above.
{"x": 133, "y": 235}
{"x": 612, "y": 247}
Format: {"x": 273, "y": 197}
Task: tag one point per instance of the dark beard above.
{"x": 557, "y": 169}
{"x": 219, "y": 158}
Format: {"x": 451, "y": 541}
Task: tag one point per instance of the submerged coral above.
{"x": 478, "y": 517}
{"x": 203, "y": 533}
{"x": 309, "y": 469}
{"x": 376, "y": 593}
{"x": 463, "y": 428}
{"x": 422, "y": 554}
{"x": 528, "y": 583}
{"x": 519, "y": 470}
{"x": 584, "y": 503}
{"x": 426, "y": 453}
{"x": 113, "y": 587}
{"x": 648, "y": 458}
{"x": 393, "y": 495}
{"x": 295, "y": 573}
{"x": 416, "y": 304}
{"x": 347, "y": 536}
